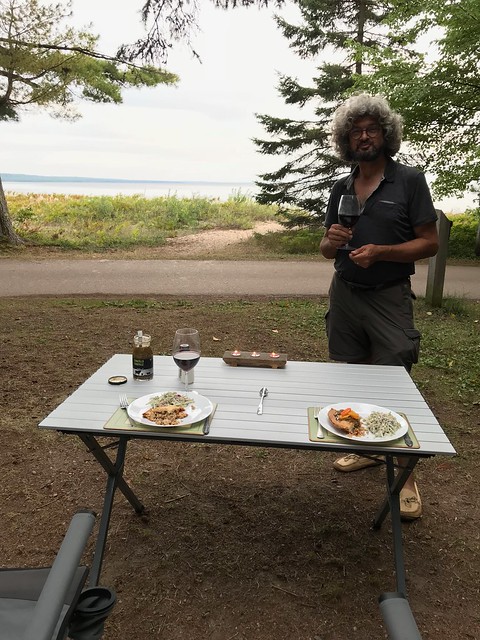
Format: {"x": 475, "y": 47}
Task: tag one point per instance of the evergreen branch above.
{"x": 77, "y": 49}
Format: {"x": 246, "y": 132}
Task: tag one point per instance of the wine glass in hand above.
{"x": 186, "y": 350}
{"x": 349, "y": 212}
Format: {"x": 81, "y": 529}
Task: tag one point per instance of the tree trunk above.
{"x": 7, "y": 232}
{"x": 362, "y": 11}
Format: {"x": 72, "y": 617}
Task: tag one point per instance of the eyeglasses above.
{"x": 372, "y": 132}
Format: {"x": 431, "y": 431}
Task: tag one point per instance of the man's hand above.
{"x": 335, "y": 236}
{"x": 365, "y": 256}
{"x": 424, "y": 245}
{"x": 338, "y": 235}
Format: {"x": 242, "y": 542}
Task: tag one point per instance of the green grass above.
{"x": 297, "y": 242}
{"x": 449, "y": 364}
{"x": 82, "y": 222}
{"x": 126, "y": 222}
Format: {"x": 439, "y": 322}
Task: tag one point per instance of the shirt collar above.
{"x": 388, "y": 175}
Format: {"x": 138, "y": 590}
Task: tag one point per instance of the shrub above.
{"x": 462, "y": 235}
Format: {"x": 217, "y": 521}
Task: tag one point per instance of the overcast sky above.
{"x": 200, "y": 130}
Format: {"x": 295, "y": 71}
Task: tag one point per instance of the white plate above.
{"x": 363, "y": 410}
{"x": 200, "y": 409}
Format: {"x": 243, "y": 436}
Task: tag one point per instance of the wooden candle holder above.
{"x": 255, "y": 359}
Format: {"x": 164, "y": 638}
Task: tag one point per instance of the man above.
{"x": 370, "y": 316}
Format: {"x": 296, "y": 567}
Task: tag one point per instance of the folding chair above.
{"x": 398, "y": 617}
{"x": 38, "y": 604}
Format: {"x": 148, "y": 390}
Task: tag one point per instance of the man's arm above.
{"x": 424, "y": 245}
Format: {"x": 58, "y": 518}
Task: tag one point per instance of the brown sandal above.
{"x": 354, "y": 462}
{"x": 410, "y": 503}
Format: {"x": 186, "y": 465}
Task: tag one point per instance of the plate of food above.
{"x": 170, "y": 409}
{"x": 362, "y": 422}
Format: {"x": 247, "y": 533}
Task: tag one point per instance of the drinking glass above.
{"x": 349, "y": 211}
{"x": 186, "y": 351}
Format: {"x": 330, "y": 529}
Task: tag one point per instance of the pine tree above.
{"x": 332, "y": 28}
{"x": 45, "y": 64}
{"x": 170, "y": 21}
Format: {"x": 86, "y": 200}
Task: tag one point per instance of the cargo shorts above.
{"x": 373, "y": 326}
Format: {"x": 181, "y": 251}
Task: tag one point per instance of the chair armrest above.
{"x": 398, "y": 617}
{"x": 51, "y": 600}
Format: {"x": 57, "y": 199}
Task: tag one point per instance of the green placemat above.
{"x": 120, "y": 422}
{"x": 331, "y": 437}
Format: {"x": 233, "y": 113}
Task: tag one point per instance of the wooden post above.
{"x": 437, "y": 264}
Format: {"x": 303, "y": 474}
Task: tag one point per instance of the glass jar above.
{"x": 142, "y": 357}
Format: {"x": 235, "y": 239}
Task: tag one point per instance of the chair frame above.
{"x": 46, "y": 597}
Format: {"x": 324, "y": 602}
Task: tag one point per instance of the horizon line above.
{"x": 25, "y": 177}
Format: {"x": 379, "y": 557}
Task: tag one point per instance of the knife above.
{"x": 207, "y": 423}
{"x": 407, "y": 439}
{"x": 320, "y": 433}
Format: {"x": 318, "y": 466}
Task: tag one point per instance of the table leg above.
{"x": 395, "y": 482}
{"x": 114, "y": 479}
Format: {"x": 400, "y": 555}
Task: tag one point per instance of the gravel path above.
{"x": 217, "y": 239}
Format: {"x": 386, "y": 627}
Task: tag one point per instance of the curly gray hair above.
{"x": 361, "y": 106}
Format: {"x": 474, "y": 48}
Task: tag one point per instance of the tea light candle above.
{"x": 236, "y": 353}
{"x": 255, "y": 354}
{"x": 274, "y": 355}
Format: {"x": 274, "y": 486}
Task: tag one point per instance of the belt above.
{"x": 375, "y": 287}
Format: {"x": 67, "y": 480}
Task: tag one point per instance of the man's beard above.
{"x": 367, "y": 155}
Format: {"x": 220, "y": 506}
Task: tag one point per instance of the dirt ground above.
{"x": 238, "y": 543}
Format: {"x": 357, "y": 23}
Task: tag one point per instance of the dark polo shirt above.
{"x": 401, "y": 202}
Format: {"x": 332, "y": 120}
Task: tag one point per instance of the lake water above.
{"x": 219, "y": 190}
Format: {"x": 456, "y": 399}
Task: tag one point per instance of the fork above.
{"x": 123, "y": 400}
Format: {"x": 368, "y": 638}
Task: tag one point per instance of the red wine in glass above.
{"x": 186, "y": 360}
{"x": 347, "y": 220}
{"x": 349, "y": 212}
{"x": 186, "y": 350}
